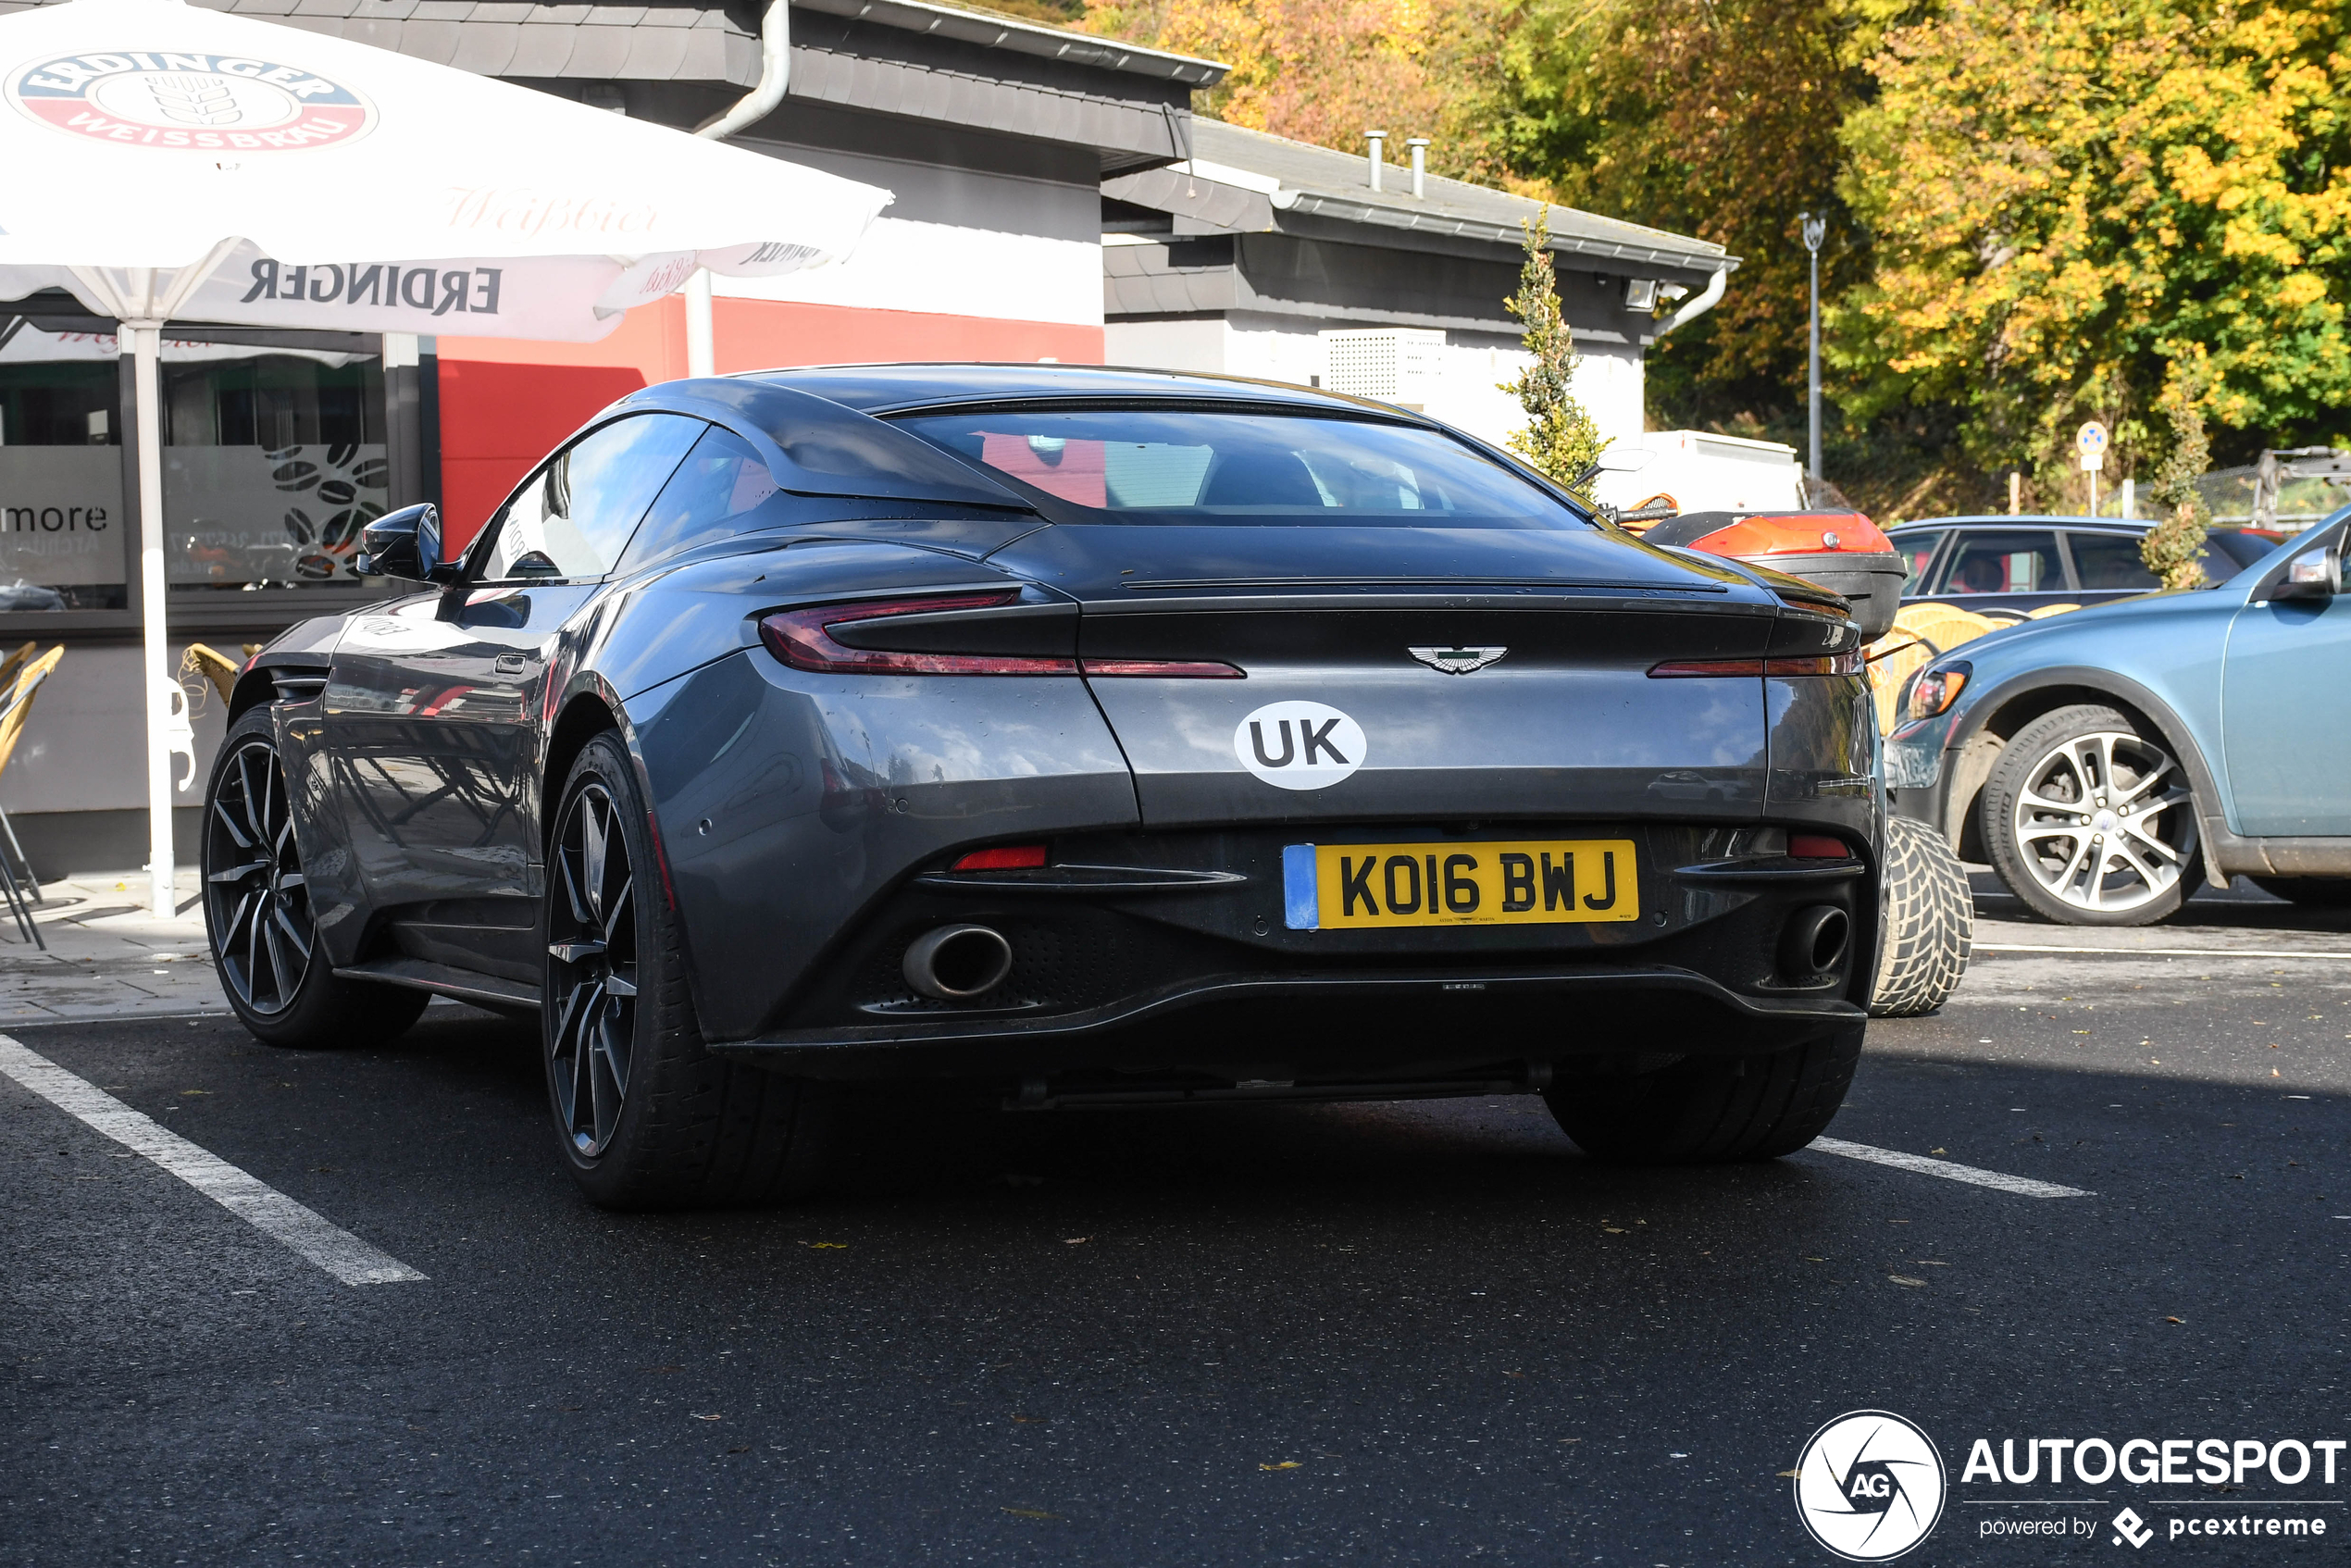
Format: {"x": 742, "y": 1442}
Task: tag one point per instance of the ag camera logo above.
{"x": 1870, "y": 1486}
{"x": 1298, "y": 745}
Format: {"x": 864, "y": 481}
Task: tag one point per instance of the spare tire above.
{"x": 1926, "y": 925}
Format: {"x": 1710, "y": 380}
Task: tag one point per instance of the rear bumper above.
{"x": 1307, "y": 1027}
{"x": 1204, "y": 976}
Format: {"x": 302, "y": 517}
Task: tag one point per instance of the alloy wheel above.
{"x": 2103, "y": 822}
{"x": 257, "y": 898}
{"x": 592, "y": 936}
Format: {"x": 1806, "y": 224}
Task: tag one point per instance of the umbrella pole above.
{"x": 146, "y": 343}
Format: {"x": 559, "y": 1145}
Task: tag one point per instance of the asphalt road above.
{"x": 1387, "y": 1333}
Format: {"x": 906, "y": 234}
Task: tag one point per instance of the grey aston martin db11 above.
{"x": 1082, "y": 736}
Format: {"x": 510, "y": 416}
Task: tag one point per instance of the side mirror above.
{"x": 406, "y": 544}
{"x": 2314, "y": 574}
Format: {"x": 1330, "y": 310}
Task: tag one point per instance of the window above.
{"x": 721, "y": 482}
{"x": 1192, "y": 468}
{"x": 2109, "y": 560}
{"x": 274, "y": 458}
{"x": 62, "y": 519}
{"x": 1917, "y": 551}
{"x": 2005, "y": 562}
{"x": 572, "y": 518}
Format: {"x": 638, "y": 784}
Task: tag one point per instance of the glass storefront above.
{"x": 278, "y": 450}
{"x": 62, "y": 520}
{"x": 273, "y": 461}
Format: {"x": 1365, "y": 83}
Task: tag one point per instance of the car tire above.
{"x": 2310, "y": 893}
{"x": 2122, "y": 776}
{"x": 257, "y": 918}
{"x": 1926, "y": 923}
{"x": 1710, "y": 1110}
{"x": 646, "y": 1115}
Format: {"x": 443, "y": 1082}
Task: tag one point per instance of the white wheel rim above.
{"x": 2103, "y": 823}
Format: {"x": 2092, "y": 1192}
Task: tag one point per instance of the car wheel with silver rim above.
{"x": 2090, "y": 819}
{"x": 256, "y": 906}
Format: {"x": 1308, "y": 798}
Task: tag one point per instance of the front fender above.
{"x": 2184, "y": 739}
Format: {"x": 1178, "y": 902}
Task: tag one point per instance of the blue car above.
{"x": 2107, "y": 762}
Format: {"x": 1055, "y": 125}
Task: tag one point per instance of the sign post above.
{"x": 2090, "y": 442}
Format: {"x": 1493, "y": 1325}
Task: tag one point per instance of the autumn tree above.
{"x": 2065, "y": 200}
{"x": 2173, "y": 549}
{"x": 1560, "y": 440}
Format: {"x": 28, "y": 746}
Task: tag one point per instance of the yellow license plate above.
{"x": 1353, "y": 887}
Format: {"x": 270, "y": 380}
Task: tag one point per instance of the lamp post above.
{"x": 1815, "y": 231}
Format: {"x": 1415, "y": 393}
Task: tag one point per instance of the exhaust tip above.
{"x": 1814, "y": 940}
{"x": 957, "y": 963}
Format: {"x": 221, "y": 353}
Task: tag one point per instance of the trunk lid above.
{"x": 1373, "y": 689}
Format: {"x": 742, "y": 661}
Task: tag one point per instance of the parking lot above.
{"x": 1386, "y": 1333}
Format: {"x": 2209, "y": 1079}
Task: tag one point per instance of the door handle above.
{"x": 511, "y": 663}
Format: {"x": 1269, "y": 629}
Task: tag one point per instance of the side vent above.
{"x": 295, "y": 684}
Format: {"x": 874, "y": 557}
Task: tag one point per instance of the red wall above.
{"x": 506, "y": 401}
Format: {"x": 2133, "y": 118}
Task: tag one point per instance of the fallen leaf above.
{"x": 710, "y": 1418}
{"x": 744, "y": 1448}
{"x": 1611, "y": 1230}
{"x": 1791, "y": 1475}
{"x": 1939, "y": 1151}
{"x": 1905, "y": 1279}
{"x": 820, "y": 1246}
{"x": 1816, "y": 1260}
{"x": 1286, "y": 1465}
{"x": 185, "y": 1093}
{"x": 1076, "y": 1241}
{"x": 2175, "y": 1320}
{"x": 1030, "y": 1420}
{"x": 1032, "y": 1514}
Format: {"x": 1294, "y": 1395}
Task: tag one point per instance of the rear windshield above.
{"x": 1178, "y": 467}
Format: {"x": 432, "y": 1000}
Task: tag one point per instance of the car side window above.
{"x": 1917, "y": 551}
{"x": 712, "y": 495}
{"x": 2022, "y": 561}
{"x": 2108, "y": 562}
{"x": 574, "y": 517}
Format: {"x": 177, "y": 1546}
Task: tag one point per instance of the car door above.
{"x": 435, "y": 715}
{"x": 2017, "y": 569}
{"x": 2288, "y": 752}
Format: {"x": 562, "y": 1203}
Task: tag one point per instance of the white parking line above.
{"x": 2156, "y": 952}
{"x": 2023, "y": 1187}
{"x": 262, "y": 1206}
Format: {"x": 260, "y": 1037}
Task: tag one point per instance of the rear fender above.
{"x": 788, "y": 804}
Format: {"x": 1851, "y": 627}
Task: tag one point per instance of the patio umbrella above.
{"x": 167, "y": 162}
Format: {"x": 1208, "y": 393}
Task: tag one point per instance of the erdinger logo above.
{"x": 189, "y": 102}
{"x": 1870, "y": 1486}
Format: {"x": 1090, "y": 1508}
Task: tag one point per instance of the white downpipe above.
{"x": 702, "y": 342}
{"x": 774, "y": 76}
{"x": 1708, "y": 297}
{"x": 147, "y": 378}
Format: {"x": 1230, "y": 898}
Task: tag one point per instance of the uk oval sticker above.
{"x": 1298, "y": 745}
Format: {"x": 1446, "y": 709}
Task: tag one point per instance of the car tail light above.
{"x": 1848, "y": 663}
{"x": 1935, "y": 690}
{"x": 1010, "y": 858}
{"x": 801, "y": 639}
{"x": 1817, "y": 846}
{"x": 1183, "y": 670}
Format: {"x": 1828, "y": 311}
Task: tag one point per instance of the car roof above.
{"x": 884, "y": 388}
{"x": 1988, "y": 520}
